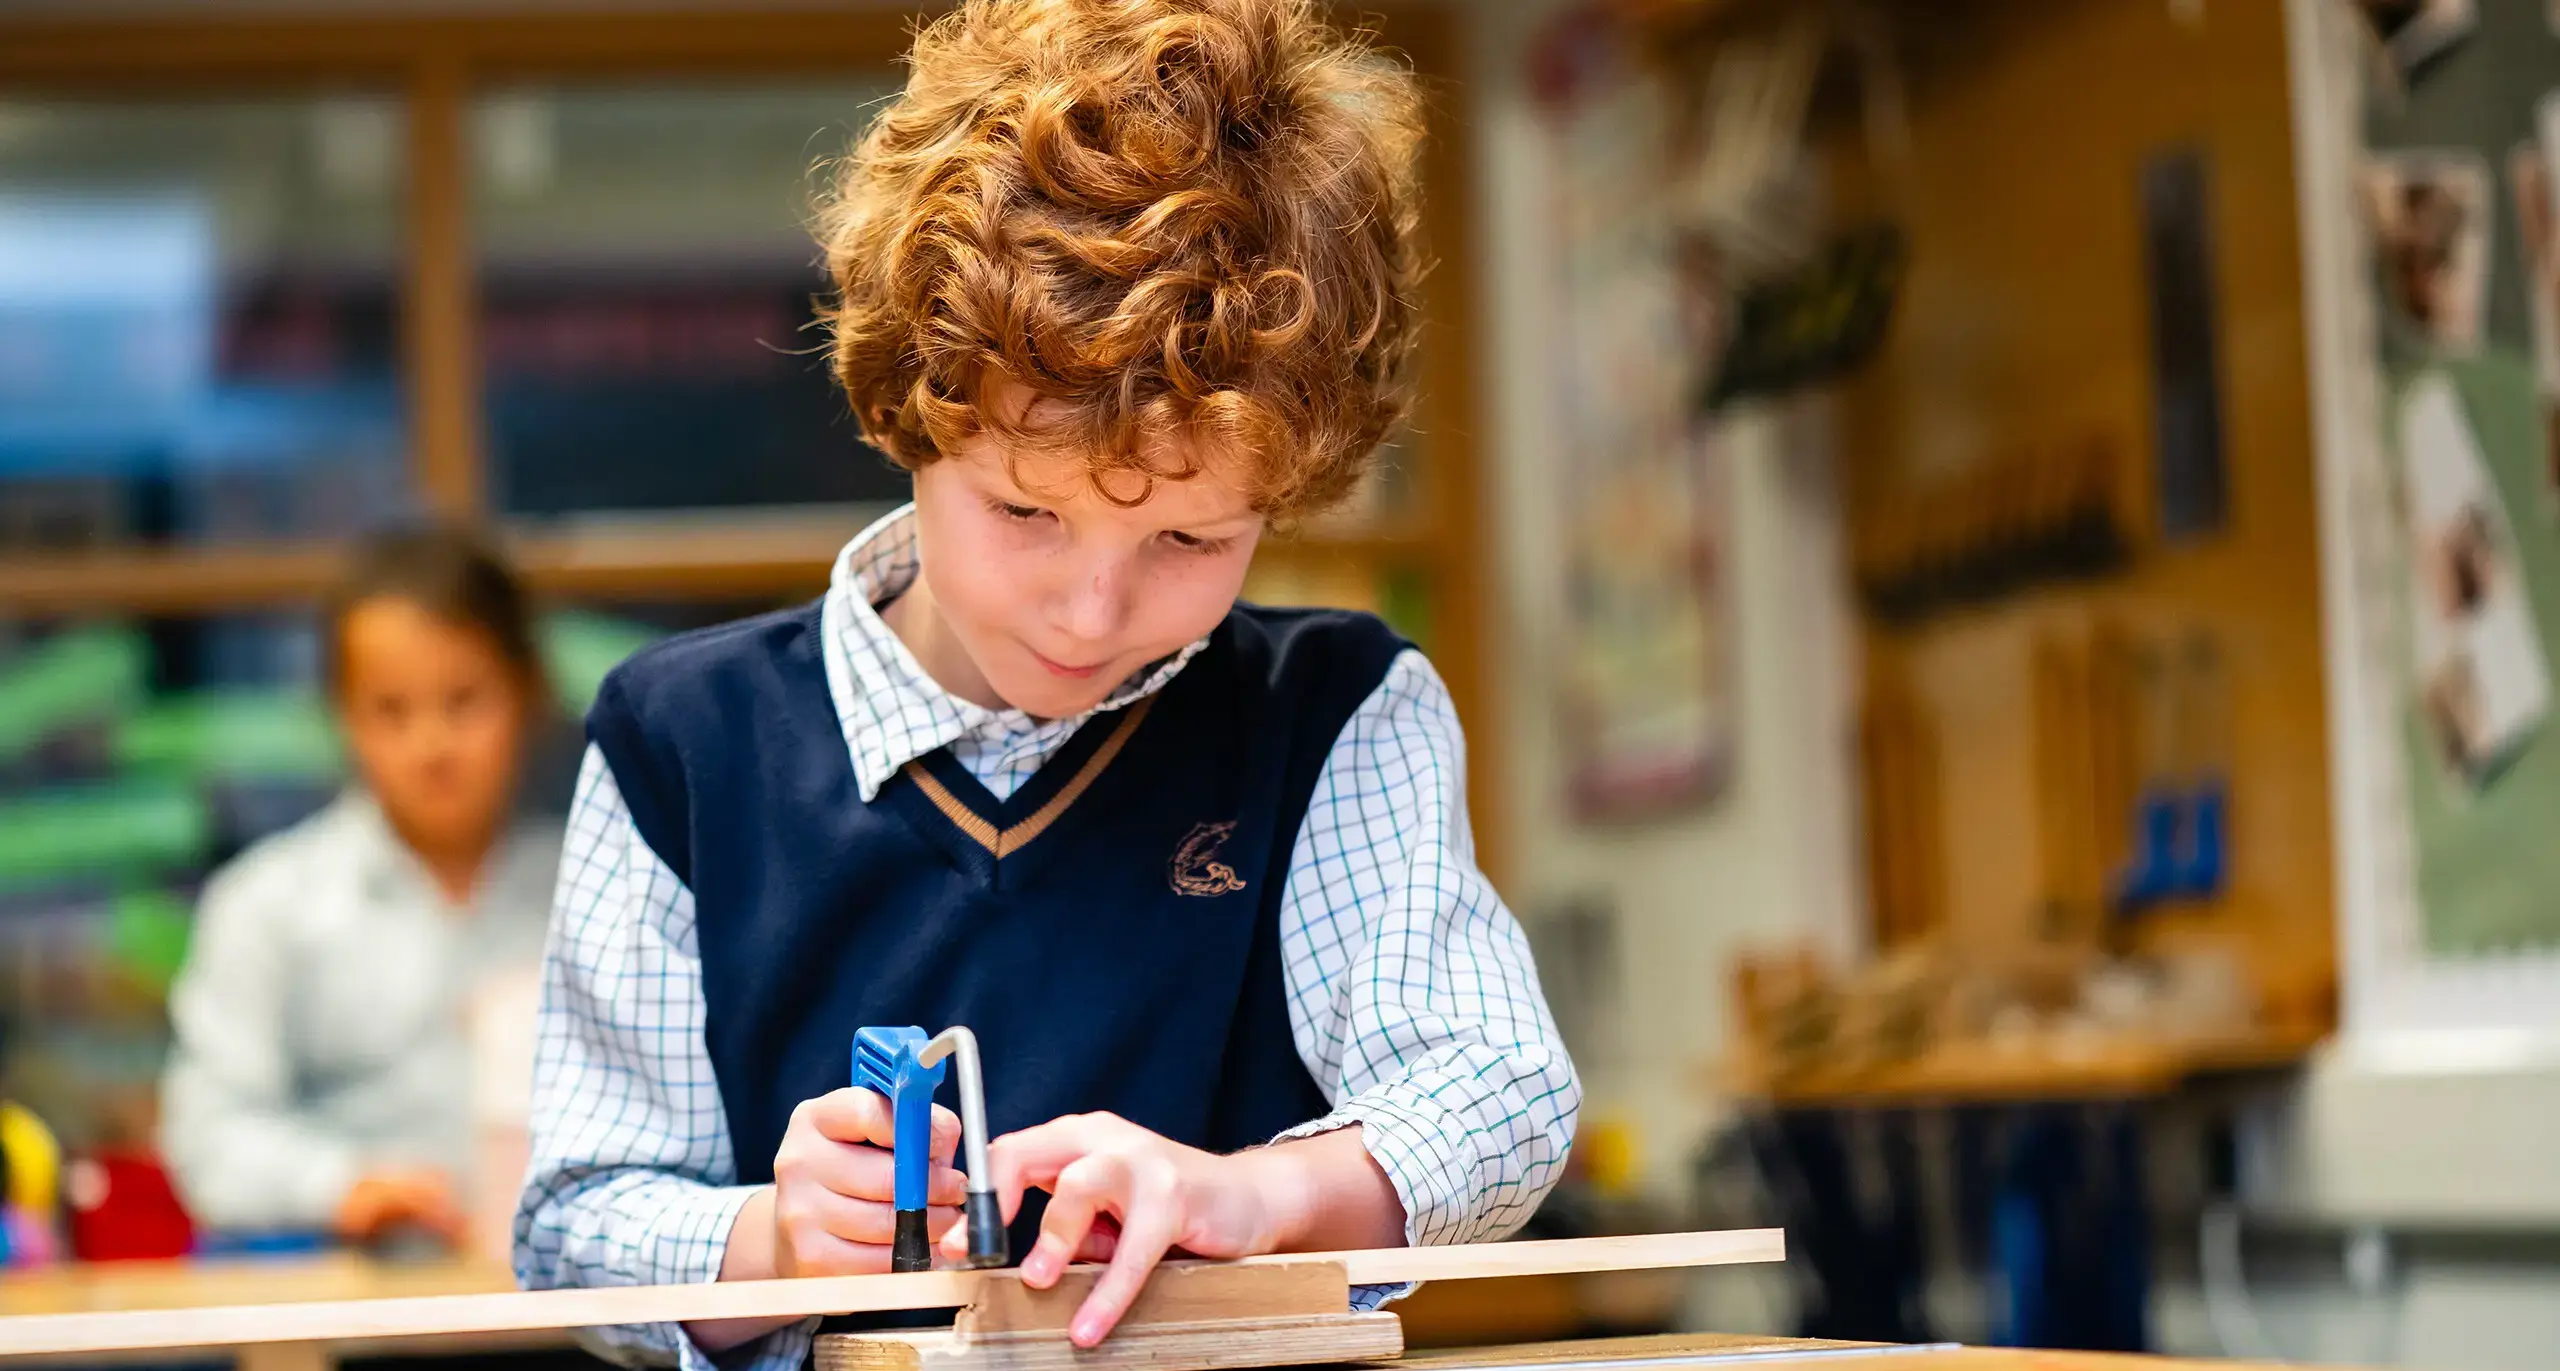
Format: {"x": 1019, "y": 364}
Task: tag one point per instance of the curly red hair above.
{"x": 1166, "y": 218}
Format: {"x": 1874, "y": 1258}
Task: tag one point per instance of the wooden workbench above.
{"x": 1786, "y": 1354}
{"x": 199, "y": 1284}
{"x": 181, "y": 1285}
{"x": 1990, "y": 1073}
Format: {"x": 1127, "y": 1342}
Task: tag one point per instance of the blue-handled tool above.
{"x": 906, "y": 1066}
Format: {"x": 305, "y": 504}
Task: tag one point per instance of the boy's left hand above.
{"x": 1122, "y": 1194}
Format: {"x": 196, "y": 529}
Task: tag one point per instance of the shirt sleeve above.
{"x": 243, "y": 1152}
{"x": 632, "y": 1180}
{"x": 1412, "y": 995}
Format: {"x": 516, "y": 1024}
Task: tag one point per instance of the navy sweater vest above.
{"x": 1110, "y": 932}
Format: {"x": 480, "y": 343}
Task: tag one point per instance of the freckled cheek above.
{"x": 1185, "y": 601}
{"x": 996, "y": 587}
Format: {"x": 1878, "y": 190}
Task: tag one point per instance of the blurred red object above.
{"x": 123, "y": 1208}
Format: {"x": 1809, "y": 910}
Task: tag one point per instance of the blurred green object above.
{"x": 578, "y": 649}
{"x": 70, "y": 678}
{"x": 147, "y": 932}
{"x": 123, "y": 829}
{"x": 244, "y": 735}
{"x": 1404, "y": 601}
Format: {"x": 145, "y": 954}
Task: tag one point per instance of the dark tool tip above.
{"x": 987, "y": 1246}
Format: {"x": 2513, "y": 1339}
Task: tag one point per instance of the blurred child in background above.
{"x": 321, "y": 1078}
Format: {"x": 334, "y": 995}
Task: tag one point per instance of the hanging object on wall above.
{"x": 2034, "y": 518}
{"x": 2429, "y": 216}
{"x": 1645, "y": 688}
{"x": 1819, "y": 322}
{"x": 2482, "y": 681}
{"x": 2177, "y": 840}
{"x": 2533, "y": 178}
{"x": 2186, "y": 370}
{"x": 1807, "y": 304}
{"x": 2412, "y": 32}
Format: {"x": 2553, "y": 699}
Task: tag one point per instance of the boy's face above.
{"x": 1056, "y": 595}
{"x": 435, "y": 719}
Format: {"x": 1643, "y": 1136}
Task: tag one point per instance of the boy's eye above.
{"x": 1192, "y": 542}
{"x": 1021, "y": 514}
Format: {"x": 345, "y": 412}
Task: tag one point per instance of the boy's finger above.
{"x": 867, "y": 1173}
{"x": 847, "y": 1220}
{"x": 819, "y": 1254}
{"x": 852, "y": 1116}
{"x": 851, "y": 1170}
{"x": 1146, "y": 1232}
{"x": 870, "y": 1221}
{"x": 1035, "y": 1157}
{"x": 1085, "y": 1189}
{"x": 946, "y": 1135}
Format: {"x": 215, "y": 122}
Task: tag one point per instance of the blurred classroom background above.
{"x": 1997, "y": 558}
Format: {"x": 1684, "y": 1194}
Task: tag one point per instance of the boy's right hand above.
{"x": 384, "y": 1200}
{"x": 834, "y": 1185}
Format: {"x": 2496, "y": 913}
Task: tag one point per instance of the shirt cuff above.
{"x": 686, "y": 1241}
{"x": 1409, "y": 1135}
{"x": 784, "y": 1349}
{"x": 685, "y": 1244}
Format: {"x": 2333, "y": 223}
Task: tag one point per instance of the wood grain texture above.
{"x": 327, "y": 1321}
{"x": 1203, "y": 1316}
{"x": 1705, "y": 1348}
{"x": 2024, "y": 329}
{"x": 1603, "y": 1351}
{"x": 1213, "y": 1345}
{"x": 1186, "y": 1292}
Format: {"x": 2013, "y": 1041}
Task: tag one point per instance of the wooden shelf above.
{"x": 704, "y": 563}
{"x": 1986, "y": 1073}
{"x": 675, "y": 559}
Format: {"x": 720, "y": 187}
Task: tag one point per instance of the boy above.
{"x": 1121, "y": 282}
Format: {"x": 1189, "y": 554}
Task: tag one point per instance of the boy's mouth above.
{"x": 1072, "y": 673}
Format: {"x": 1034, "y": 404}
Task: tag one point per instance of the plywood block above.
{"x": 1189, "y": 1318}
{"x": 1218, "y": 1345}
{"x": 1185, "y": 1292}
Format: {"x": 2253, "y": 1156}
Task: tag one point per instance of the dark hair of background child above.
{"x": 450, "y": 572}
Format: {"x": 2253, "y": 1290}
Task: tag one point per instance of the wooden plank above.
{"x": 683, "y": 559}
{"x": 439, "y": 302}
{"x": 1217, "y": 1345}
{"x": 1194, "y": 1317}
{"x": 2131, "y": 1067}
{"x": 1193, "y": 1292}
{"x": 1603, "y": 1351}
{"x": 288, "y": 1356}
{"x": 249, "y": 1325}
{"x": 1812, "y": 1354}
{"x": 127, "y": 54}
{"x": 165, "y": 580}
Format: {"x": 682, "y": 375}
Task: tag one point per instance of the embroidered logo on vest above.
{"x": 1196, "y": 869}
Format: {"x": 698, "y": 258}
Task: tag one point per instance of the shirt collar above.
{"x": 526, "y": 856}
{"x": 893, "y": 712}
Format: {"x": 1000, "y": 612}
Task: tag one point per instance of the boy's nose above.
{"x": 1098, "y": 601}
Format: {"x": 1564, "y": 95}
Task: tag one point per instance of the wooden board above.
{"x": 1610, "y": 1351}
{"x": 1788, "y": 1354}
{"x": 1195, "y": 1317}
{"x": 323, "y": 1321}
{"x": 1219, "y": 1345}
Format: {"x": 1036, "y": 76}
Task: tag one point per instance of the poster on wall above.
{"x": 1646, "y": 695}
{"x": 2479, "y": 675}
{"x": 2530, "y": 180}
{"x": 2430, "y": 219}
{"x": 2435, "y": 338}
{"x": 2413, "y": 31}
